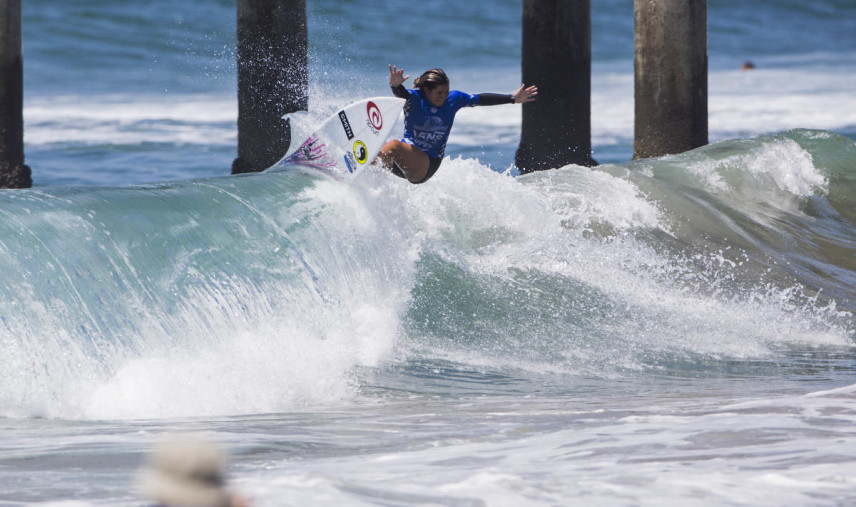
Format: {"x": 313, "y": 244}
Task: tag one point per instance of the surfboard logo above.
{"x": 361, "y": 152}
{"x": 349, "y": 162}
{"x": 375, "y": 117}
{"x": 346, "y": 125}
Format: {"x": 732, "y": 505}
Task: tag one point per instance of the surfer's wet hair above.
{"x": 431, "y": 79}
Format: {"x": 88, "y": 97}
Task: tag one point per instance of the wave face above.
{"x": 277, "y": 291}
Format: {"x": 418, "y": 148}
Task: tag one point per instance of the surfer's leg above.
{"x": 412, "y": 161}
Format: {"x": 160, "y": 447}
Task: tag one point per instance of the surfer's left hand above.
{"x": 524, "y": 94}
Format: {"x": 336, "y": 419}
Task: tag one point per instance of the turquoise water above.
{"x": 665, "y": 331}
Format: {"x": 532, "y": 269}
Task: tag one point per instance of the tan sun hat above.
{"x": 187, "y": 473}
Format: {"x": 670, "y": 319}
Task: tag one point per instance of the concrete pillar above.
{"x": 670, "y": 76}
{"x": 13, "y": 172}
{"x": 272, "y": 78}
{"x": 556, "y": 128}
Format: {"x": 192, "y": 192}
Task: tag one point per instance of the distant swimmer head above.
{"x": 431, "y": 79}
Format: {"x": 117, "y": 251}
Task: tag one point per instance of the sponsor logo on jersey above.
{"x": 346, "y": 125}
{"x": 361, "y": 152}
{"x": 375, "y": 120}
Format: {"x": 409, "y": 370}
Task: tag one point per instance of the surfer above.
{"x": 429, "y": 112}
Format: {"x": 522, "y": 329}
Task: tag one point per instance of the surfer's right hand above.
{"x": 396, "y": 76}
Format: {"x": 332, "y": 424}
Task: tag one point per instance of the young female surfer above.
{"x": 429, "y": 112}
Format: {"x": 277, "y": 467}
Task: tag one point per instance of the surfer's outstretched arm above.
{"x": 521, "y": 96}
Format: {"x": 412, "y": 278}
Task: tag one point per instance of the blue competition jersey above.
{"x": 427, "y": 126}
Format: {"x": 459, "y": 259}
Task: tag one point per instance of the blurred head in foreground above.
{"x": 186, "y": 473}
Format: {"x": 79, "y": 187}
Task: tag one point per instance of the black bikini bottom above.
{"x": 433, "y": 165}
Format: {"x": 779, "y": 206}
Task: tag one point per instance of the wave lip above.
{"x": 783, "y": 200}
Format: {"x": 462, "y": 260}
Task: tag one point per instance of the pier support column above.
{"x": 670, "y": 76}
{"x": 13, "y": 172}
{"x": 556, "y": 128}
{"x": 272, "y": 78}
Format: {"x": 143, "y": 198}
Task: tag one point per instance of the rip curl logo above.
{"x": 375, "y": 120}
{"x": 361, "y": 152}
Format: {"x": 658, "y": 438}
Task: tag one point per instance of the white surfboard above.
{"x": 350, "y": 139}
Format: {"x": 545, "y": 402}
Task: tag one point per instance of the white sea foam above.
{"x": 113, "y": 120}
{"x": 670, "y": 452}
{"x": 773, "y": 100}
{"x": 768, "y": 172}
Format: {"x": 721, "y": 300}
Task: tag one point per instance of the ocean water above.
{"x": 672, "y": 331}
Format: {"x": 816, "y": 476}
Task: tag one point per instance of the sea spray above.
{"x": 197, "y": 297}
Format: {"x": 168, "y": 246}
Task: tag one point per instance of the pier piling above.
{"x": 272, "y": 78}
{"x": 670, "y": 73}
{"x": 556, "y": 128}
{"x": 13, "y": 172}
